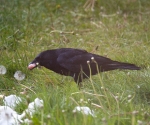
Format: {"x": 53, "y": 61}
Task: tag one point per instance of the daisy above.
{"x": 33, "y": 106}
{"x": 8, "y": 116}
{"x": 2, "y": 70}
{"x": 19, "y": 75}
{"x": 85, "y": 110}
{"x": 11, "y": 100}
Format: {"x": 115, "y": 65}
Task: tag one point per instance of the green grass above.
{"x": 116, "y": 29}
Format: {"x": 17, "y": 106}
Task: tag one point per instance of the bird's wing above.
{"x": 76, "y": 60}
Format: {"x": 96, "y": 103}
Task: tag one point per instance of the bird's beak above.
{"x": 33, "y": 65}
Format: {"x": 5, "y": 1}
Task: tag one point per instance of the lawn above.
{"x": 116, "y": 29}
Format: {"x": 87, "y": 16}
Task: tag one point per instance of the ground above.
{"x": 115, "y": 29}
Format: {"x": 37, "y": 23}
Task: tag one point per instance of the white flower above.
{"x": 8, "y": 116}
{"x": 27, "y": 121}
{"x": 84, "y": 110}
{"x": 2, "y": 69}
{"x": 1, "y": 96}
{"x": 33, "y": 106}
{"x": 11, "y": 100}
{"x": 138, "y": 86}
{"x": 19, "y": 75}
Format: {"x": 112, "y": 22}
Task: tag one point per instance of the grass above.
{"x": 116, "y": 29}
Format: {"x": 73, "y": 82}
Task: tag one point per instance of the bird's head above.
{"x": 35, "y": 63}
{"x": 43, "y": 59}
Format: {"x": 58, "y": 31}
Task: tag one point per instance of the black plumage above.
{"x": 77, "y": 63}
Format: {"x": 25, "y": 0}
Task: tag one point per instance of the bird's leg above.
{"x": 78, "y": 79}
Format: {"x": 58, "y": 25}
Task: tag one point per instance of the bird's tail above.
{"x": 120, "y": 65}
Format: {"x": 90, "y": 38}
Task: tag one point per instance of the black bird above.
{"x": 77, "y": 63}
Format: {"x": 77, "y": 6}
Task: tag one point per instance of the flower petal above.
{"x": 85, "y": 110}
{"x": 8, "y": 116}
{"x": 11, "y": 100}
{"x": 2, "y": 69}
{"x": 19, "y": 75}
